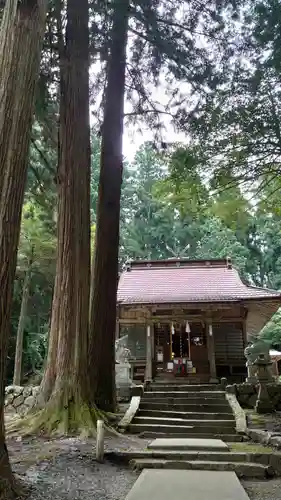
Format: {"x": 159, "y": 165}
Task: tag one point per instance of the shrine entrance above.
{"x": 181, "y": 348}
{"x": 180, "y": 342}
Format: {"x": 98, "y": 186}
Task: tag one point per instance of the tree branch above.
{"x": 43, "y": 157}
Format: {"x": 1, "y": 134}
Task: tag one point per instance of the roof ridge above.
{"x": 264, "y": 289}
{"x": 179, "y": 262}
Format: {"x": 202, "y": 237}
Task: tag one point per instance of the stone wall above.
{"x": 20, "y": 399}
{"x": 246, "y": 394}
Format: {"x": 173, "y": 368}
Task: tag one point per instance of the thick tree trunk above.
{"x": 49, "y": 376}
{"x": 103, "y": 307}
{"x": 20, "y": 331}
{"x": 74, "y": 194}
{"x": 68, "y": 409}
{"x": 22, "y": 26}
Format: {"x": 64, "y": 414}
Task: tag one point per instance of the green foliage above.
{"x": 267, "y": 30}
{"x": 37, "y": 246}
{"x": 272, "y": 331}
{"x": 37, "y": 256}
{"x": 218, "y": 241}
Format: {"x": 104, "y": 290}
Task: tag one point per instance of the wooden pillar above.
{"x": 117, "y": 330}
{"x": 211, "y": 351}
{"x": 148, "y": 367}
{"x": 152, "y": 332}
{"x": 171, "y": 331}
{"x": 244, "y": 330}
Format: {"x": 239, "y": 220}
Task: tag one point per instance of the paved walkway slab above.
{"x": 187, "y": 485}
{"x": 188, "y": 444}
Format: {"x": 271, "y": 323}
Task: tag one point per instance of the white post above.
{"x": 148, "y": 368}
{"x": 100, "y": 441}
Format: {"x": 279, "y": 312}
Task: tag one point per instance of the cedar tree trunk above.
{"x": 21, "y": 35}
{"x": 49, "y": 377}
{"x": 103, "y": 307}
{"x": 68, "y": 408}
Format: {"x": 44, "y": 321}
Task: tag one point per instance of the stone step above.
{"x": 182, "y": 387}
{"x": 171, "y": 401}
{"x": 188, "y": 444}
{"x": 229, "y": 438}
{"x": 186, "y": 407}
{"x": 187, "y": 430}
{"x": 185, "y": 415}
{"x": 200, "y": 424}
{"x": 242, "y": 469}
{"x": 185, "y": 394}
{"x": 210, "y": 456}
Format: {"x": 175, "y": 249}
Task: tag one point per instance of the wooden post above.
{"x": 117, "y": 330}
{"x": 211, "y": 351}
{"x": 171, "y": 340}
{"x": 148, "y": 367}
{"x": 244, "y": 330}
{"x": 100, "y": 441}
{"x": 152, "y": 342}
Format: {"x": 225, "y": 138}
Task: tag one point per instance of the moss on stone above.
{"x": 250, "y": 448}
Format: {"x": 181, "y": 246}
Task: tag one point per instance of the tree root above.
{"x": 12, "y": 489}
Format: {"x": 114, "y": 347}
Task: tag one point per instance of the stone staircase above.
{"x": 211, "y": 461}
{"x": 183, "y": 410}
{"x": 189, "y": 454}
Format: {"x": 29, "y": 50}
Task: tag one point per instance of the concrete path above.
{"x": 187, "y": 485}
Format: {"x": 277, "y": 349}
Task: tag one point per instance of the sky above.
{"x": 133, "y": 138}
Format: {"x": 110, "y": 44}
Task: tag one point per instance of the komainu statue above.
{"x": 257, "y": 349}
{"x": 122, "y": 353}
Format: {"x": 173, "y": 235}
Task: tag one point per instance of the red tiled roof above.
{"x": 184, "y": 281}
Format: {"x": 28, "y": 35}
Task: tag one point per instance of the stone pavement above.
{"x": 187, "y": 485}
{"x": 176, "y": 484}
{"x": 188, "y": 444}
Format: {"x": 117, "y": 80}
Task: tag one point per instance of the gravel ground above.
{"x": 65, "y": 469}
{"x": 76, "y": 478}
{"x": 263, "y": 490}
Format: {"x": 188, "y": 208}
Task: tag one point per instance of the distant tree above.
{"x": 37, "y": 252}
{"x": 218, "y": 241}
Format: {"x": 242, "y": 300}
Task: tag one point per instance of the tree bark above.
{"x": 74, "y": 194}
{"x": 20, "y": 331}
{"x": 22, "y": 27}
{"x": 49, "y": 377}
{"x": 103, "y": 307}
{"x": 68, "y": 408}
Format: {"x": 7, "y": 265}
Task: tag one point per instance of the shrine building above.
{"x": 190, "y": 318}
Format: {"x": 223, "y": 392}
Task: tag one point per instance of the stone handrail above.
{"x": 137, "y": 393}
